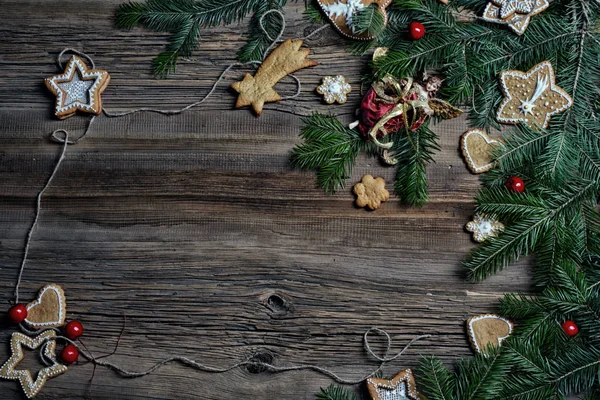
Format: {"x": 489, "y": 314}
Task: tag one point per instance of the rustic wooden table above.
{"x": 196, "y": 227}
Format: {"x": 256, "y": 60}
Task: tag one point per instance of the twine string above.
{"x": 38, "y": 208}
{"x": 61, "y": 136}
{"x": 74, "y": 51}
{"x": 191, "y": 363}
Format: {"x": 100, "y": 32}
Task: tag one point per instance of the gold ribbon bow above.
{"x": 402, "y": 107}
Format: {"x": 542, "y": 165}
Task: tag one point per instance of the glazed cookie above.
{"x": 488, "y": 329}
{"x": 400, "y": 387}
{"x": 49, "y": 310}
{"x": 484, "y": 228}
{"x": 531, "y": 97}
{"x": 31, "y": 387}
{"x": 334, "y": 89}
{"x": 476, "y": 146}
{"x": 78, "y": 89}
{"x": 517, "y": 22}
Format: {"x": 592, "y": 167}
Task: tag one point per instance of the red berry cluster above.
{"x": 73, "y": 330}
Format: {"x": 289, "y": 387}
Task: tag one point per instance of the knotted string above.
{"x": 61, "y": 136}
{"x": 191, "y": 363}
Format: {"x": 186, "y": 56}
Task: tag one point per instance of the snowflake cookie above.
{"x": 484, "y": 228}
{"x": 400, "y": 387}
{"x": 531, "y": 97}
{"x": 78, "y": 88}
{"x": 334, "y": 89}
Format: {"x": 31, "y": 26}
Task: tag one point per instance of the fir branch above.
{"x": 333, "y": 392}
{"x": 184, "y": 18}
{"x": 330, "y": 148}
{"x": 414, "y": 151}
{"x": 437, "y": 382}
{"x": 313, "y": 14}
{"x": 258, "y": 39}
{"x": 521, "y": 238}
{"x": 369, "y": 20}
{"x": 481, "y": 377}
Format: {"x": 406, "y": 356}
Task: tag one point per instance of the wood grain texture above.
{"x": 196, "y": 227}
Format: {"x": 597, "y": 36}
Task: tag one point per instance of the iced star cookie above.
{"x": 531, "y": 97}
{"x": 78, "y": 89}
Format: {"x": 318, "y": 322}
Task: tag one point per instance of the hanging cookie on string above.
{"x": 401, "y": 387}
{"x": 78, "y": 88}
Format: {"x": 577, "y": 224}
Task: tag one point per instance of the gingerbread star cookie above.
{"x": 49, "y": 310}
{"x": 484, "y": 228}
{"x": 78, "y": 88}
{"x": 400, "y": 387}
{"x": 342, "y": 12}
{"x": 476, "y": 147}
{"x": 514, "y": 13}
{"x": 531, "y": 97}
{"x": 31, "y": 387}
{"x": 371, "y": 192}
{"x": 486, "y": 330}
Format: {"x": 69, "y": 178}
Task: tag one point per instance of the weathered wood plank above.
{"x": 196, "y": 227}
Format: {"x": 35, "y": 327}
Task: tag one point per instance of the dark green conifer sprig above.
{"x": 369, "y": 20}
{"x": 184, "y": 19}
{"x": 329, "y": 148}
{"x": 414, "y": 150}
{"x": 333, "y": 392}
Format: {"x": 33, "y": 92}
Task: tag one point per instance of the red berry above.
{"x": 416, "y": 30}
{"x": 570, "y": 328}
{"x": 515, "y": 184}
{"x": 73, "y": 329}
{"x": 69, "y": 354}
{"x": 17, "y": 313}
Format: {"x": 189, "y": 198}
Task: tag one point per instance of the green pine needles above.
{"x": 183, "y": 19}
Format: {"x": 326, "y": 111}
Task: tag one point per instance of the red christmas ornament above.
{"x": 515, "y": 184}
{"x": 69, "y": 354}
{"x": 416, "y": 30}
{"x": 570, "y": 328}
{"x": 17, "y": 313}
{"x": 73, "y": 330}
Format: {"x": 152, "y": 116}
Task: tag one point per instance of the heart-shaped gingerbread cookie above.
{"x": 476, "y": 146}
{"x": 49, "y": 310}
{"x": 341, "y": 12}
{"x": 488, "y": 329}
